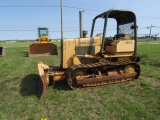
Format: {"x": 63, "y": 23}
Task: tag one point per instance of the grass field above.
{"x": 135, "y": 100}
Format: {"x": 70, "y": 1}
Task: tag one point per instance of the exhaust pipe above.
{"x": 85, "y": 33}
{"x": 81, "y": 23}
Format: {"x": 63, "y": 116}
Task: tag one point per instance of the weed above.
{"x": 138, "y": 99}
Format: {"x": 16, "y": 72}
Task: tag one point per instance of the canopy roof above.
{"x": 121, "y": 16}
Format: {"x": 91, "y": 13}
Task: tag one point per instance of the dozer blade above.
{"x": 2, "y": 51}
{"x": 43, "y": 81}
{"x": 42, "y": 49}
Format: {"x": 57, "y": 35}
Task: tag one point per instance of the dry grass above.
{"x": 139, "y": 99}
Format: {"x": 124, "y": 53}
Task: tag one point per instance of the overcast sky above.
{"x": 21, "y": 18}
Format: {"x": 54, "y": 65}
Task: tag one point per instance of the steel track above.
{"x": 107, "y": 80}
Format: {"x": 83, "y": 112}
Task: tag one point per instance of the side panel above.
{"x": 68, "y": 52}
{"x": 121, "y": 46}
{"x": 95, "y": 41}
{"x": 79, "y": 46}
{"x": 126, "y": 46}
{"x": 89, "y": 46}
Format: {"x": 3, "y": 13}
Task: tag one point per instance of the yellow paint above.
{"x": 43, "y": 118}
{"x": 76, "y": 60}
{"x": 69, "y": 48}
{"x": 43, "y": 39}
{"x": 121, "y": 46}
{"x": 58, "y": 77}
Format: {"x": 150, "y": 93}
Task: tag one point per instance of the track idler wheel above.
{"x": 131, "y": 69}
{"x": 72, "y": 82}
{"x": 138, "y": 71}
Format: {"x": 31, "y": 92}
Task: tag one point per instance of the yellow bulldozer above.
{"x": 2, "y": 51}
{"x": 43, "y": 47}
{"x": 97, "y": 60}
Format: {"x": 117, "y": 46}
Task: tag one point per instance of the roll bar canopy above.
{"x": 121, "y": 16}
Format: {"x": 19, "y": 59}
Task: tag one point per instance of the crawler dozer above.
{"x": 43, "y": 47}
{"x": 97, "y": 60}
{"x": 2, "y": 51}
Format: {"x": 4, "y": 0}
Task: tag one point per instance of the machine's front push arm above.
{"x": 44, "y": 78}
